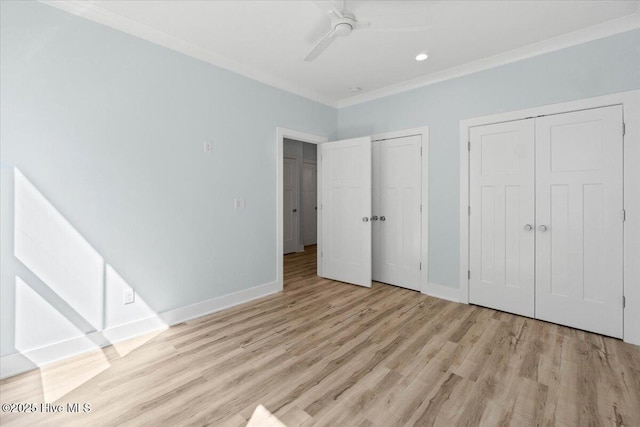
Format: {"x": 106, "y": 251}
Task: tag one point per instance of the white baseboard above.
{"x": 182, "y": 314}
{"x": 17, "y": 363}
{"x": 443, "y": 292}
{"x": 133, "y": 329}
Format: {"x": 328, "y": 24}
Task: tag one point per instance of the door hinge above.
{"x": 421, "y": 151}
{"x": 420, "y": 208}
{"x": 469, "y": 145}
{"x": 624, "y": 301}
{"x": 624, "y": 215}
{"x": 469, "y": 274}
{"x": 469, "y": 210}
{"x": 420, "y": 266}
{"x": 624, "y": 128}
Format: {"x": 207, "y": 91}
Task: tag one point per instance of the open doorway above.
{"x": 300, "y": 195}
{"x": 299, "y": 211}
{"x": 299, "y": 234}
{"x": 354, "y": 264}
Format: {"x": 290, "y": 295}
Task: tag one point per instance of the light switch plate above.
{"x": 129, "y": 296}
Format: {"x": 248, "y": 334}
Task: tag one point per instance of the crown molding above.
{"x": 91, "y": 11}
{"x": 627, "y": 23}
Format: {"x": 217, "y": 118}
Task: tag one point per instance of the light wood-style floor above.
{"x": 328, "y": 353}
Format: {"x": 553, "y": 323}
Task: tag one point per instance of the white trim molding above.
{"x": 199, "y": 309}
{"x": 630, "y": 102}
{"x": 17, "y": 363}
{"x": 424, "y": 241}
{"x": 92, "y": 11}
{"x": 281, "y": 134}
{"x": 606, "y": 29}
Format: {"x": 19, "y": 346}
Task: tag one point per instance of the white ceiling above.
{"x": 268, "y": 40}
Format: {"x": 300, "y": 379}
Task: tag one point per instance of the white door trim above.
{"x": 281, "y": 134}
{"x": 630, "y": 102}
{"x": 425, "y": 286}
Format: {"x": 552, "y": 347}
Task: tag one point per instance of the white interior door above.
{"x": 579, "y": 202}
{"x": 397, "y": 189}
{"x": 290, "y": 205}
{"x": 346, "y": 208}
{"x": 501, "y": 245}
{"x": 309, "y": 202}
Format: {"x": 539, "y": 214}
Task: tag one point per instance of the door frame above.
{"x": 281, "y": 134}
{"x": 425, "y": 287}
{"x": 630, "y": 102}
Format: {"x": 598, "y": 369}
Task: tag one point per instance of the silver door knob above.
{"x": 374, "y": 218}
{"x": 543, "y": 228}
{"x": 528, "y": 227}
{"x": 382, "y": 218}
{"x": 365, "y": 219}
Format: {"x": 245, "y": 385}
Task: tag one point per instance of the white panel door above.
{"x": 290, "y": 202}
{"x": 579, "y": 271}
{"x": 397, "y": 234}
{"x": 309, "y": 202}
{"x": 346, "y": 208}
{"x": 501, "y": 246}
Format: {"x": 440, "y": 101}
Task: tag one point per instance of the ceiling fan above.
{"x": 343, "y": 22}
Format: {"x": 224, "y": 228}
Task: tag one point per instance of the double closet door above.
{"x": 371, "y": 213}
{"x": 546, "y": 218}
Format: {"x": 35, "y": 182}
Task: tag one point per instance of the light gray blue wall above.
{"x": 110, "y": 129}
{"x": 600, "y": 67}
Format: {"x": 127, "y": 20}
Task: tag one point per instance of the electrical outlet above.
{"x": 129, "y": 296}
{"x": 208, "y": 146}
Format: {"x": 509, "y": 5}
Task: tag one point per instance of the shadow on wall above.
{"x": 70, "y": 300}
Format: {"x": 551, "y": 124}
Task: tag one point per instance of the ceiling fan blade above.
{"x": 321, "y": 46}
{"x": 329, "y": 7}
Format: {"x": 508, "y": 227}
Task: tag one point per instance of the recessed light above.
{"x": 421, "y": 56}
{"x": 355, "y": 89}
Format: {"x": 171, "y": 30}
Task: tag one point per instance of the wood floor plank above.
{"x": 325, "y": 353}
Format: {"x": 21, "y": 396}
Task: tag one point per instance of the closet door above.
{"x": 309, "y": 202}
{"x": 290, "y": 209}
{"x": 579, "y": 273}
{"x": 396, "y": 199}
{"x": 501, "y": 246}
{"x": 346, "y": 208}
